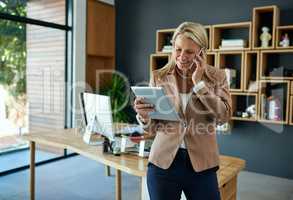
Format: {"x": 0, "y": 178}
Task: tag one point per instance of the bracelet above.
{"x": 200, "y": 85}
{"x": 141, "y": 123}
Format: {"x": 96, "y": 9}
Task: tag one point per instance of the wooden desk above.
{"x": 70, "y": 139}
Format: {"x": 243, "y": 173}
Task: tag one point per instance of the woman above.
{"x": 184, "y": 155}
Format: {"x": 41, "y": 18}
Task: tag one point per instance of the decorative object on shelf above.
{"x": 253, "y": 86}
{"x": 245, "y": 115}
{"x": 167, "y": 48}
{"x": 265, "y": 37}
{"x": 225, "y": 128}
{"x": 233, "y": 44}
{"x": 281, "y": 71}
{"x": 251, "y": 110}
{"x": 231, "y": 77}
{"x": 285, "y": 41}
{"x": 238, "y": 113}
{"x": 168, "y": 40}
{"x": 274, "y": 108}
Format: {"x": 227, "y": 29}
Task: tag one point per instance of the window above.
{"x": 35, "y": 37}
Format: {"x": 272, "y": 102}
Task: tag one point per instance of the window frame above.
{"x": 67, "y": 27}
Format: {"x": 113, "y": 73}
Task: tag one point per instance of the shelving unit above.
{"x": 276, "y": 64}
{"x": 291, "y": 104}
{"x": 240, "y": 30}
{"x": 281, "y": 31}
{"x": 251, "y": 71}
{"x": 291, "y": 111}
{"x": 279, "y": 90}
{"x": 233, "y": 60}
{"x": 158, "y": 61}
{"x": 212, "y": 58}
{"x": 164, "y": 37}
{"x": 241, "y": 101}
{"x": 210, "y": 36}
{"x": 268, "y": 16}
{"x": 259, "y": 71}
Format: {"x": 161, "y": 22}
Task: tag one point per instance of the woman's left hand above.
{"x": 200, "y": 68}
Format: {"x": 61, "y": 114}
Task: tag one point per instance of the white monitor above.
{"x": 97, "y": 113}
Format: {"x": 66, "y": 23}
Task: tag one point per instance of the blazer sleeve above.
{"x": 149, "y": 127}
{"x": 218, "y": 103}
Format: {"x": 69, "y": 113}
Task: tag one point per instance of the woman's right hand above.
{"x": 143, "y": 109}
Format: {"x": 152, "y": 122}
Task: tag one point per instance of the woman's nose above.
{"x": 183, "y": 55}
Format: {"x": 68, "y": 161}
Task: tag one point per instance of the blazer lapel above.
{"x": 172, "y": 91}
{"x": 171, "y": 87}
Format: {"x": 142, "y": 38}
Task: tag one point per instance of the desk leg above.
{"x": 32, "y": 170}
{"x": 118, "y": 184}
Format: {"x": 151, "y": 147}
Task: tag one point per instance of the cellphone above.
{"x": 200, "y": 53}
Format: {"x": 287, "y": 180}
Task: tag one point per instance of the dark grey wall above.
{"x": 137, "y": 21}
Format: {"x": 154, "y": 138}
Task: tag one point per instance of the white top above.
{"x": 184, "y": 99}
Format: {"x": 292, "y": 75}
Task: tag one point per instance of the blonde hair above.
{"x": 194, "y": 31}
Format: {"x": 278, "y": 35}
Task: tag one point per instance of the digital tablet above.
{"x": 164, "y": 109}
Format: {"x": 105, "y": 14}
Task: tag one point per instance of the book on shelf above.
{"x": 231, "y": 77}
{"x": 167, "y": 49}
{"x": 233, "y": 42}
{"x": 231, "y": 47}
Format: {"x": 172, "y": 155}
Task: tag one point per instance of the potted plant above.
{"x": 118, "y": 91}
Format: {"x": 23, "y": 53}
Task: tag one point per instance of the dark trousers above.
{"x": 167, "y": 184}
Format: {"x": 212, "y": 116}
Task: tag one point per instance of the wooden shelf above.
{"x": 212, "y": 58}
{"x": 268, "y": 16}
{"x": 278, "y": 89}
{"x": 272, "y": 121}
{"x": 291, "y": 88}
{"x": 240, "y": 101}
{"x": 291, "y": 111}
{"x": 269, "y": 59}
{"x": 251, "y": 70}
{"x": 210, "y": 36}
{"x": 163, "y": 36}
{"x": 244, "y": 119}
{"x": 158, "y": 61}
{"x": 229, "y": 31}
{"x": 241, "y": 30}
{"x": 280, "y": 31}
{"x": 233, "y": 60}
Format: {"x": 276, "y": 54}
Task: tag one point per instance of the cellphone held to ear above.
{"x": 198, "y": 54}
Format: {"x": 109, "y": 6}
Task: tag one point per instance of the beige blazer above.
{"x": 206, "y": 108}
